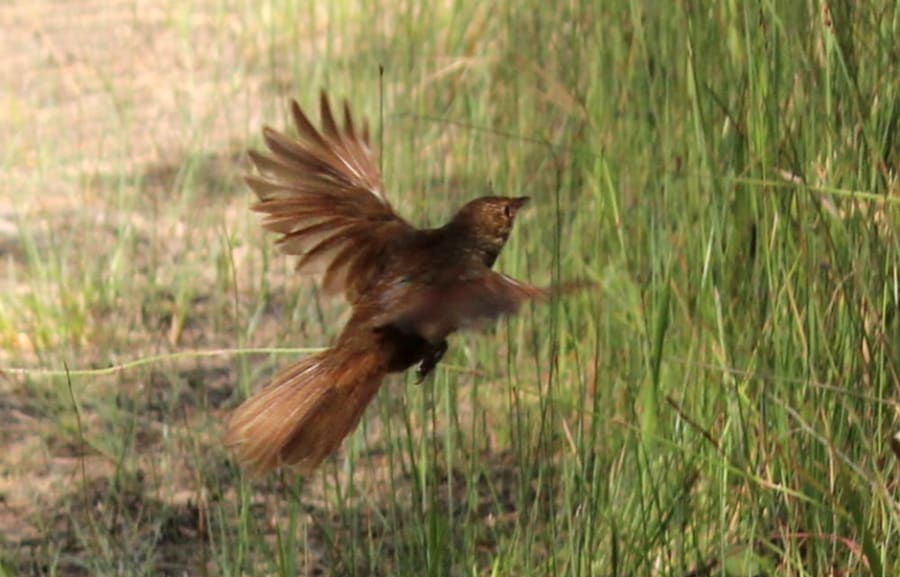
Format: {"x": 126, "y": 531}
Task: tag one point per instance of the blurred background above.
{"x": 723, "y": 403}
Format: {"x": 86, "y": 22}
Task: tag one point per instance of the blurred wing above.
{"x": 433, "y": 312}
{"x": 322, "y": 192}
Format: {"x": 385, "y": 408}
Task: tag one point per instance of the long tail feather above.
{"x": 305, "y": 412}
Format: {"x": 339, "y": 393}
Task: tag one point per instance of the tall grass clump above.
{"x": 722, "y": 403}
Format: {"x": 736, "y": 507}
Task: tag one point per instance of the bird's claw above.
{"x": 429, "y": 361}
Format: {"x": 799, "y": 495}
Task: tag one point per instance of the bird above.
{"x": 408, "y": 288}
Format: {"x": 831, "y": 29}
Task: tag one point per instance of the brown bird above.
{"x": 409, "y": 288}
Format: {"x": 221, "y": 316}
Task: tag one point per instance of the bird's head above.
{"x": 487, "y": 221}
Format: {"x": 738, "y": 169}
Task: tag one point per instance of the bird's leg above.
{"x": 430, "y": 359}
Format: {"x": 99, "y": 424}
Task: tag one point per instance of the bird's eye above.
{"x": 507, "y": 210}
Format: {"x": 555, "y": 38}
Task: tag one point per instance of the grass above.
{"x": 722, "y": 404}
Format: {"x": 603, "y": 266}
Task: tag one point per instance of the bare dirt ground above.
{"x": 103, "y": 85}
{"x": 95, "y": 89}
{"x": 92, "y": 92}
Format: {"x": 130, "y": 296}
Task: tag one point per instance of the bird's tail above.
{"x": 305, "y": 412}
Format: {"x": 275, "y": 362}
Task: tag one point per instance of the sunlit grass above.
{"x": 721, "y": 403}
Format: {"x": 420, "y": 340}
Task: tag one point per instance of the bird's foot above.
{"x": 430, "y": 360}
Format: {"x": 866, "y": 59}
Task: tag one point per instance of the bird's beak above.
{"x": 518, "y": 203}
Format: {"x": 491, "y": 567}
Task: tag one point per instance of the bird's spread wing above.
{"x": 322, "y": 192}
{"x": 435, "y": 311}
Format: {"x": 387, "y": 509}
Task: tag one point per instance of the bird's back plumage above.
{"x": 321, "y": 191}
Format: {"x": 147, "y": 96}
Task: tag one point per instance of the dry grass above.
{"x": 731, "y": 389}
{"x": 111, "y": 110}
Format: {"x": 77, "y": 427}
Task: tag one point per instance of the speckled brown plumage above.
{"x": 409, "y": 288}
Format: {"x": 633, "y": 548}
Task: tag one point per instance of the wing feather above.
{"x": 322, "y": 192}
{"x": 434, "y": 312}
